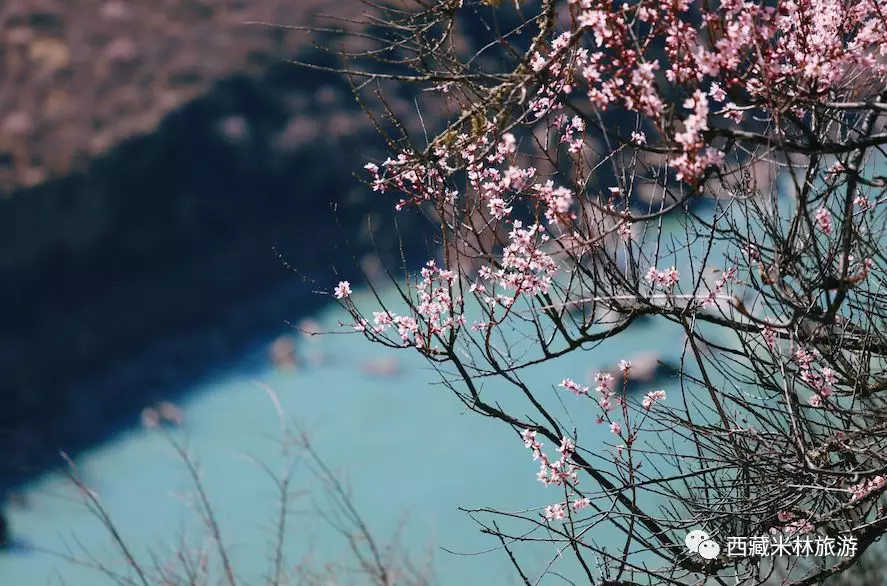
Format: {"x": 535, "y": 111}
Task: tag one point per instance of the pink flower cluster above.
{"x": 867, "y": 265}
{"x": 436, "y": 312}
{"x": 557, "y": 473}
{"x": 571, "y": 132}
{"x": 859, "y": 271}
{"x": 408, "y": 175}
{"x": 769, "y": 334}
{"x": 666, "y": 279}
{"x": 342, "y": 290}
{"x": 573, "y": 386}
{"x": 726, "y": 276}
{"x": 558, "y": 511}
{"x": 498, "y": 188}
{"x": 555, "y": 512}
{"x": 554, "y": 473}
{"x": 792, "y": 526}
{"x": 652, "y": 398}
{"x": 865, "y": 488}
{"x": 862, "y": 203}
{"x": 821, "y": 382}
{"x": 604, "y": 388}
{"x": 525, "y": 268}
{"x": 557, "y": 202}
{"x": 697, "y": 157}
{"x": 752, "y": 253}
{"x": 422, "y": 181}
{"x": 695, "y": 123}
{"x": 824, "y": 221}
{"x": 790, "y": 51}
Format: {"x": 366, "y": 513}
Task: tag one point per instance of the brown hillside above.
{"x": 78, "y": 77}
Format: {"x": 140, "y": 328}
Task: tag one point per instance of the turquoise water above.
{"x": 409, "y": 451}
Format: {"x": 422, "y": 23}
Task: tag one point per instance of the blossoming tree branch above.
{"x": 718, "y": 166}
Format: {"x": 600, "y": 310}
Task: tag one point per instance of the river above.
{"x": 407, "y": 447}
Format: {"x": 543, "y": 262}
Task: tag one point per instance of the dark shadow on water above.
{"x": 169, "y": 370}
{"x": 136, "y": 279}
{"x": 18, "y": 547}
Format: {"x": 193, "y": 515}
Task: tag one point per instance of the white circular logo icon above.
{"x": 709, "y": 550}
{"x": 695, "y": 538}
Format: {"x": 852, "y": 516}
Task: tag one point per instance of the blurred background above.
{"x": 173, "y": 195}
{"x": 157, "y": 160}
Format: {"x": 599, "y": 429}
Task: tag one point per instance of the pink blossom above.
{"x": 581, "y": 503}
{"x": 508, "y": 145}
{"x": 732, "y": 112}
{"x": 557, "y": 200}
{"x": 573, "y": 386}
{"x": 625, "y": 231}
{"x": 824, "y": 221}
{"x": 498, "y": 209}
{"x": 805, "y": 358}
{"x": 552, "y": 473}
{"x": 615, "y": 428}
{"x": 567, "y": 447}
{"x": 652, "y": 398}
{"x": 625, "y": 366}
{"x": 652, "y": 275}
{"x": 555, "y": 512}
{"x": 638, "y": 138}
{"x": 836, "y": 169}
{"x": 604, "y": 382}
{"x": 867, "y": 265}
{"x": 383, "y": 319}
{"x": 796, "y": 527}
{"x": 865, "y": 488}
{"x": 726, "y": 276}
{"x": 800, "y": 526}
{"x": 667, "y": 279}
{"x": 769, "y": 335}
{"x": 863, "y": 203}
{"x": 695, "y": 124}
{"x": 516, "y": 179}
{"x": 342, "y": 290}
